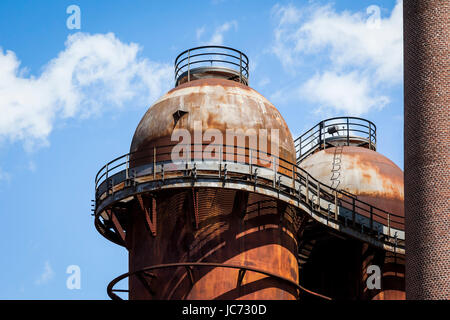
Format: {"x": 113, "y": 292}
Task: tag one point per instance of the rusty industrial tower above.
{"x": 216, "y": 200}
{"x": 427, "y": 153}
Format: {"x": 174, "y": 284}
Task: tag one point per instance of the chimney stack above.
{"x": 426, "y": 28}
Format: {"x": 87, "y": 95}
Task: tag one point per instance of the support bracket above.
{"x": 190, "y": 273}
{"x": 150, "y": 222}
{"x": 117, "y": 226}
{"x": 143, "y": 276}
{"x": 240, "y": 277}
{"x": 195, "y": 203}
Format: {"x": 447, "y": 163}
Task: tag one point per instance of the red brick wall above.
{"x": 427, "y": 144}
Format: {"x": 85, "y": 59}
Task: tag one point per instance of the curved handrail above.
{"x": 352, "y": 127}
{"x": 209, "y": 47}
{"x": 286, "y": 168}
{"x": 110, "y": 289}
{"x": 223, "y": 55}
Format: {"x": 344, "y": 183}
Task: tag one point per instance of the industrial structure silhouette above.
{"x": 216, "y": 200}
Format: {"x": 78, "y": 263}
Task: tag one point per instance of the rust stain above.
{"x": 223, "y": 236}
{"x": 366, "y": 173}
{"x": 211, "y": 82}
{"x": 217, "y": 104}
{"x": 367, "y": 177}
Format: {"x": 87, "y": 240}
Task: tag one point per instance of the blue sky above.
{"x": 70, "y": 101}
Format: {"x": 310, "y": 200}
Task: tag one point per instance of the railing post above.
{"x": 106, "y": 171}
{"x": 307, "y": 189}
{"x": 353, "y": 211}
{"x": 251, "y": 161}
{"x": 274, "y": 172}
{"x": 189, "y": 65}
{"x": 371, "y": 218}
{"x": 293, "y": 177}
{"x": 299, "y": 149}
{"x": 127, "y": 166}
{"x": 348, "y": 133}
{"x": 154, "y": 163}
{"x": 389, "y": 224}
{"x": 320, "y": 134}
{"x": 335, "y": 206}
{"x": 370, "y": 137}
{"x": 318, "y": 195}
{"x": 220, "y": 161}
{"x": 240, "y": 67}
{"x": 395, "y": 242}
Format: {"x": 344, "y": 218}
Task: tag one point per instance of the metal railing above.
{"x": 346, "y": 130}
{"x": 283, "y": 176}
{"x": 147, "y": 272}
{"x": 208, "y": 56}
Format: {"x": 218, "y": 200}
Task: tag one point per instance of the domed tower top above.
{"x": 211, "y": 94}
{"x": 341, "y": 152}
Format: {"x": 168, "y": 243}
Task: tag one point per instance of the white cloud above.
{"x": 264, "y": 82}
{"x": 218, "y": 34}
{"x": 4, "y": 176}
{"x": 348, "y": 93}
{"x": 32, "y": 166}
{"x": 355, "y": 52}
{"x": 286, "y": 14}
{"x": 352, "y": 41}
{"x": 46, "y": 275}
{"x": 200, "y": 32}
{"x": 92, "y": 73}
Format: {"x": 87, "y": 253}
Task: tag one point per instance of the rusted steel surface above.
{"x": 216, "y": 104}
{"x": 369, "y": 175}
{"x": 233, "y": 225}
{"x": 338, "y": 267}
{"x": 392, "y": 267}
{"x": 146, "y": 276}
{"x": 264, "y": 237}
{"x": 208, "y": 72}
